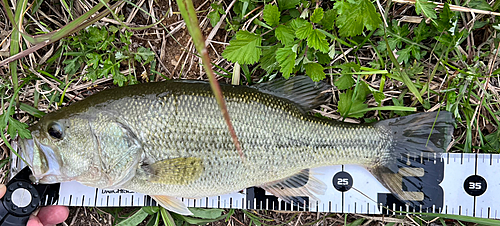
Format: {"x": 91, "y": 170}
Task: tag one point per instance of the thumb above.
{"x": 3, "y": 189}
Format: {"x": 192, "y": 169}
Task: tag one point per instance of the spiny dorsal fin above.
{"x": 296, "y": 187}
{"x": 300, "y": 90}
{"x": 174, "y": 171}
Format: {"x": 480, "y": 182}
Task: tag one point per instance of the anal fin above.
{"x": 293, "y": 189}
{"x": 173, "y": 204}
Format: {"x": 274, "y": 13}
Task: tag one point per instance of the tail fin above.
{"x": 407, "y": 171}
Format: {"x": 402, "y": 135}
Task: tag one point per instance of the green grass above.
{"x": 377, "y": 71}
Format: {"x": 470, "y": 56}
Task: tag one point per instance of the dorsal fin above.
{"x": 300, "y": 90}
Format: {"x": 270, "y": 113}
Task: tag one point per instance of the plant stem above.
{"x": 188, "y": 14}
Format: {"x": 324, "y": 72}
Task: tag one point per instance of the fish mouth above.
{"x": 43, "y": 161}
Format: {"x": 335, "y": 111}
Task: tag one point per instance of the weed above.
{"x": 157, "y": 214}
{"x": 104, "y": 51}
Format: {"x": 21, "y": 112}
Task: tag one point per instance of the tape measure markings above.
{"x": 456, "y": 200}
{"x": 364, "y": 191}
{"x": 487, "y": 170}
{"x": 469, "y": 183}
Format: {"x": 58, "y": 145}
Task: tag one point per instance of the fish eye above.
{"x": 55, "y": 130}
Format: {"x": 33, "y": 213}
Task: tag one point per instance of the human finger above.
{"x": 51, "y": 215}
{"x": 34, "y": 221}
{"x": 3, "y": 189}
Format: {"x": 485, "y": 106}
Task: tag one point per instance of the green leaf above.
{"x": 268, "y": 60}
{"x": 404, "y": 55}
{"x": 167, "y": 218}
{"x": 93, "y": 59}
{"x": 401, "y": 32}
{"x": 354, "y": 17}
{"x": 342, "y": 7}
{"x": 118, "y": 78}
{"x": 331, "y": 51}
{"x": 297, "y": 23}
{"x": 421, "y": 32}
{"x": 362, "y": 91}
{"x": 31, "y": 110}
{"x": 317, "y": 15}
{"x": 135, "y": 219}
{"x": 328, "y": 20}
{"x": 4, "y": 119}
{"x": 349, "y": 67}
{"x": 323, "y": 58}
{"x": 206, "y": 213}
{"x": 286, "y": 59}
{"x": 425, "y": 7}
{"x": 347, "y": 105}
{"x": 271, "y": 15}
{"x": 496, "y": 72}
{"x": 73, "y": 65}
{"x": 287, "y": 4}
{"x": 119, "y": 56}
{"x": 385, "y": 108}
{"x": 379, "y": 96}
{"x": 344, "y": 82}
{"x": 315, "y": 71}
{"x": 196, "y": 221}
{"x": 356, "y": 222}
{"x": 214, "y": 17}
{"x": 285, "y": 34}
{"x": 21, "y": 128}
{"x": 260, "y": 23}
{"x": 417, "y": 52}
{"x": 144, "y": 55}
{"x": 96, "y": 35}
{"x": 317, "y": 40}
{"x": 480, "y": 4}
{"x": 411, "y": 86}
{"x": 493, "y": 140}
{"x": 480, "y": 24}
{"x": 151, "y": 209}
{"x": 244, "y": 49}
{"x": 304, "y": 31}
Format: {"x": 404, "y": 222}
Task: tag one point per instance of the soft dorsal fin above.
{"x": 300, "y": 90}
{"x": 296, "y": 187}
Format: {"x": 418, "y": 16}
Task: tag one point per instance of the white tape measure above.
{"x": 466, "y": 184}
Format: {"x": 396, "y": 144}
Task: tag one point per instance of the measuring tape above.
{"x": 462, "y": 184}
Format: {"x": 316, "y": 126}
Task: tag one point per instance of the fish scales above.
{"x": 277, "y": 140}
{"x": 170, "y": 140}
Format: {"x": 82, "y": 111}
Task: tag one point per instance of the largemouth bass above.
{"x": 169, "y": 139}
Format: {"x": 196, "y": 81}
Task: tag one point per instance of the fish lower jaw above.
{"x": 49, "y": 179}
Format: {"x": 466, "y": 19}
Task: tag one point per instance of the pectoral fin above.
{"x": 179, "y": 171}
{"x": 296, "y": 187}
{"x": 173, "y": 204}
